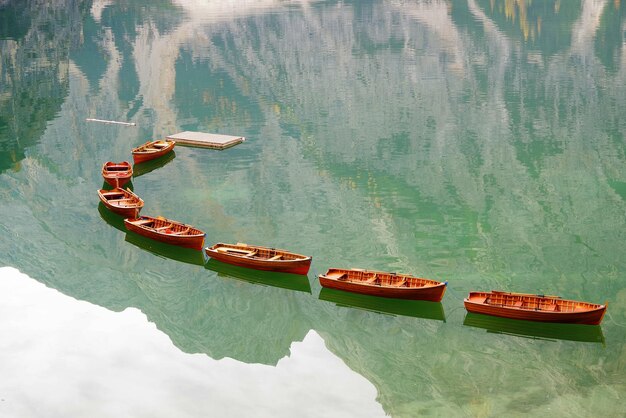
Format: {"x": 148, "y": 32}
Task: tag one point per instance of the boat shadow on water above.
{"x": 413, "y": 308}
{"x": 185, "y": 255}
{"x": 535, "y": 330}
{"x": 145, "y": 167}
{"x": 113, "y": 219}
{"x": 289, "y": 281}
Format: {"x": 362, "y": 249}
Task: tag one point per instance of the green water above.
{"x": 478, "y": 142}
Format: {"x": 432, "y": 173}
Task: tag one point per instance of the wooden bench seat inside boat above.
{"x": 518, "y": 304}
{"x": 163, "y": 227}
{"x": 276, "y": 257}
{"x": 337, "y": 275}
{"x": 398, "y": 284}
{"x": 372, "y": 279}
{"x": 237, "y": 251}
{"x": 552, "y": 307}
{"x": 144, "y": 222}
{"x": 184, "y": 231}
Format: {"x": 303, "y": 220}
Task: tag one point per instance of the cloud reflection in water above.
{"x": 71, "y": 358}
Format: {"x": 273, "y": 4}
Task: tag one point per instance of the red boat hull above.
{"x": 539, "y": 308}
{"x": 195, "y": 242}
{"x": 431, "y": 293}
{"x": 140, "y": 156}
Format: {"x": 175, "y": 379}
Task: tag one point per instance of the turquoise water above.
{"x": 477, "y": 142}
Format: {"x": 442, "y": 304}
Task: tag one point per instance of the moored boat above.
{"x": 121, "y": 201}
{"x": 167, "y": 231}
{"x": 531, "y": 307}
{"x": 152, "y": 149}
{"x": 260, "y": 258}
{"x": 384, "y": 284}
{"x": 117, "y": 174}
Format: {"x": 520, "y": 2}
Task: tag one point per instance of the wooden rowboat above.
{"x": 529, "y": 307}
{"x": 379, "y": 283}
{"x": 260, "y": 258}
{"x": 123, "y": 202}
{"x": 117, "y": 174}
{"x": 167, "y": 231}
{"x": 152, "y": 149}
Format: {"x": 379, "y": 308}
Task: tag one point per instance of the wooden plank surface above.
{"x": 206, "y": 140}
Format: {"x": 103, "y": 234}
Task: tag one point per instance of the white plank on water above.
{"x": 111, "y": 121}
{"x": 206, "y": 140}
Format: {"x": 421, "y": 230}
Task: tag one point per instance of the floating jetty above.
{"x": 206, "y": 140}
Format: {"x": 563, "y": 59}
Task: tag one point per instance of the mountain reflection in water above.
{"x": 473, "y": 140}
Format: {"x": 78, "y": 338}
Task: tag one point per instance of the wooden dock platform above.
{"x": 206, "y": 140}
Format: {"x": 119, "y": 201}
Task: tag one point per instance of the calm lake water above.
{"x": 477, "y": 142}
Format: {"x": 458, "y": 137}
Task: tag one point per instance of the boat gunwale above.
{"x": 108, "y": 164}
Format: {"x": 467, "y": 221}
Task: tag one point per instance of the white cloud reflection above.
{"x": 64, "y": 357}
{"x": 215, "y": 10}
